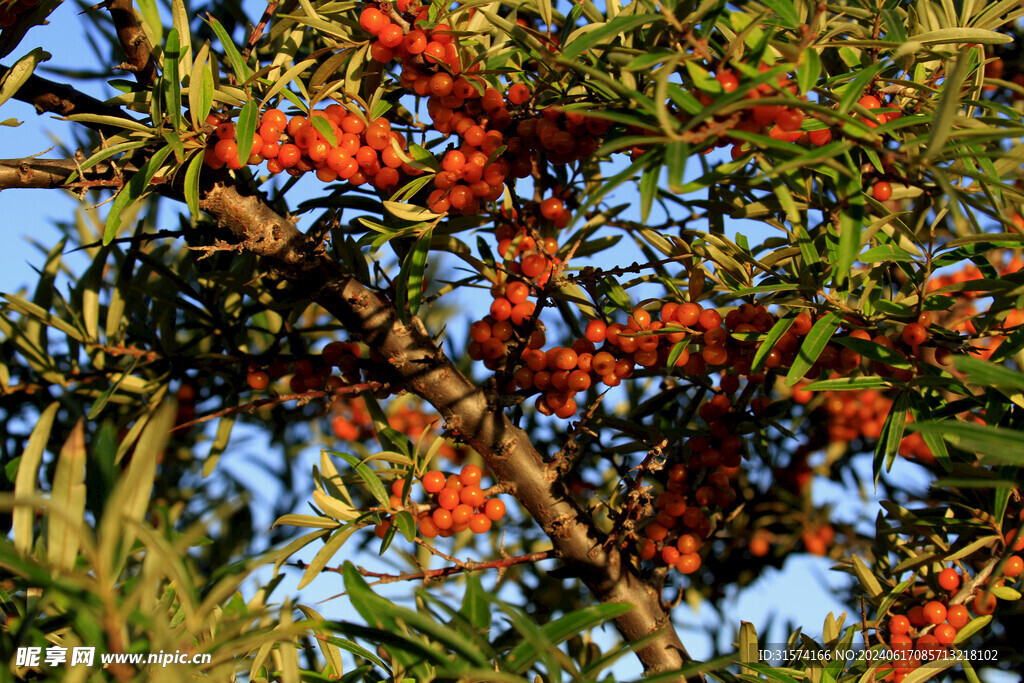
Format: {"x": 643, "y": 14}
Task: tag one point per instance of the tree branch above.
{"x": 60, "y": 98}
{"x": 48, "y": 174}
{"x": 425, "y": 370}
{"x": 133, "y": 41}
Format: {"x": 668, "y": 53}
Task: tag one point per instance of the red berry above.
{"x": 881, "y": 191}
{"x": 935, "y": 612}
{"x": 949, "y": 579}
{"x": 899, "y": 625}
{"x": 373, "y": 20}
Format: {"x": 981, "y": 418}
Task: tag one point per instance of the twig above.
{"x": 257, "y": 31}
{"x": 273, "y": 400}
{"x": 467, "y": 566}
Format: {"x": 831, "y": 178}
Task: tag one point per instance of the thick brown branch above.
{"x": 133, "y": 41}
{"x": 468, "y": 413}
{"x": 51, "y": 173}
{"x": 60, "y": 98}
{"x": 424, "y": 369}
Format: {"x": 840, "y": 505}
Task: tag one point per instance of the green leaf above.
{"x": 380, "y": 613}
{"x": 810, "y": 66}
{"x": 406, "y": 523}
{"x": 851, "y": 224}
{"x": 983, "y": 373}
{"x": 814, "y": 343}
{"x": 848, "y": 384}
{"x": 619, "y": 26}
{"x": 949, "y": 103}
{"x": 973, "y": 626}
{"x": 961, "y": 35}
{"x": 410, "y": 283}
{"x": 171, "y": 79}
{"x": 104, "y": 398}
{"x": 998, "y": 444}
{"x": 1005, "y": 593}
{"x": 867, "y": 578}
{"x": 372, "y": 481}
{"x": 132, "y": 192}
{"x": 324, "y": 555}
{"x": 238, "y": 66}
{"x": 780, "y": 328}
{"x": 874, "y": 351}
{"x": 410, "y": 212}
{"x": 27, "y": 476}
{"x": 245, "y": 129}
{"x": 784, "y": 11}
{"x": 18, "y": 75}
{"x": 648, "y": 189}
{"x": 200, "y": 88}
{"x": 190, "y": 187}
{"x": 475, "y": 607}
{"x": 64, "y": 519}
{"x": 520, "y": 657}
{"x": 885, "y": 253}
{"x": 748, "y": 646}
{"x": 676, "y": 155}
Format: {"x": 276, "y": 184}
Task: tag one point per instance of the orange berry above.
{"x": 433, "y": 482}
{"x": 552, "y": 208}
{"x": 258, "y": 380}
{"x": 949, "y": 579}
{"x": 595, "y": 331}
{"x": 480, "y": 524}
{"x": 462, "y": 514}
{"x": 442, "y": 518}
{"x": 688, "y": 563}
{"x": 494, "y": 509}
{"x": 655, "y": 532}
{"x": 688, "y": 543}
{"x": 984, "y": 603}
{"x": 958, "y": 616}
{"x": 935, "y": 612}
{"x": 427, "y": 528}
{"x": 470, "y": 475}
{"x": 945, "y": 634}
{"x": 472, "y": 496}
{"x": 915, "y": 334}
{"x": 899, "y": 625}
{"x": 448, "y": 498}
{"x": 881, "y": 191}
{"x": 1013, "y": 567}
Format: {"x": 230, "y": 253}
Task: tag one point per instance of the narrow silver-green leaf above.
{"x": 171, "y": 78}
{"x": 814, "y": 343}
{"x": 27, "y": 476}
{"x": 130, "y": 193}
{"x": 20, "y": 72}
{"x": 64, "y": 519}
{"x": 245, "y": 129}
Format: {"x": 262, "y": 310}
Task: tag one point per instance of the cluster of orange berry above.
{"x": 929, "y": 628}
{"x": 700, "y": 484}
{"x": 307, "y": 375}
{"x": 964, "y": 311}
{"x": 853, "y": 414}
{"x": 561, "y": 136}
{"x": 346, "y": 146}
{"x": 457, "y": 503}
{"x": 10, "y": 11}
{"x": 433, "y": 45}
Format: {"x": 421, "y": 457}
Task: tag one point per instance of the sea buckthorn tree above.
{"x": 578, "y": 304}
